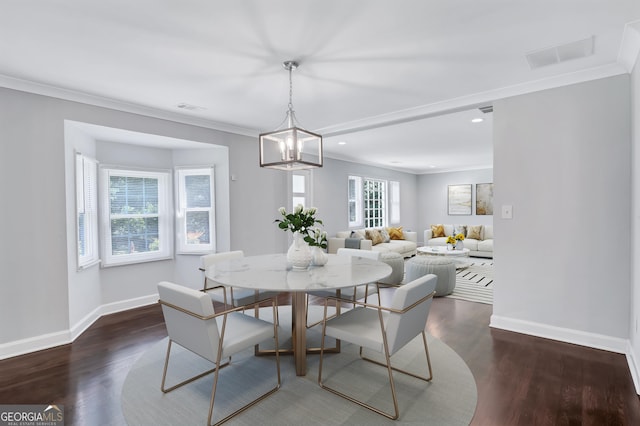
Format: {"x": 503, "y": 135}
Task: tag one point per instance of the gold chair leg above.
{"x": 389, "y": 370}
{"x": 255, "y": 401}
{"x": 306, "y": 315}
{"x": 166, "y": 365}
{"x": 408, "y": 373}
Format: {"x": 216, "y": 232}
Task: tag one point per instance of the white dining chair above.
{"x": 349, "y": 293}
{"x": 192, "y": 323}
{"x": 229, "y": 296}
{"x": 362, "y": 291}
{"x": 385, "y": 330}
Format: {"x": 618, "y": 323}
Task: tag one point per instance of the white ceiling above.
{"x": 423, "y": 64}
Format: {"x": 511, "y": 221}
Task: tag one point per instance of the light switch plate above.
{"x": 507, "y": 212}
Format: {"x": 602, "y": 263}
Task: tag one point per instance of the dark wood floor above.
{"x": 521, "y": 380}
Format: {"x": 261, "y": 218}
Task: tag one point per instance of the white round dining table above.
{"x": 272, "y": 272}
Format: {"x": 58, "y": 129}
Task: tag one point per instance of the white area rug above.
{"x": 475, "y": 283}
{"x": 450, "y": 399}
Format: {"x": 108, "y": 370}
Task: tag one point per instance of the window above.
{"x": 195, "y": 221}
{"x": 375, "y": 203}
{"x": 394, "y": 202}
{"x": 300, "y": 184}
{"x": 136, "y": 219}
{"x": 355, "y": 201}
{"x": 86, "y": 211}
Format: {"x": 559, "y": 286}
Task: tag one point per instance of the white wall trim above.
{"x": 33, "y": 344}
{"x": 51, "y": 340}
{"x": 576, "y": 337}
{"x": 474, "y": 100}
{"x": 102, "y": 101}
{"x": 633, "y": 367}
{"x": 630, "y": 46}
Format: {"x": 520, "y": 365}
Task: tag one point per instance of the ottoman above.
{"x": 443, "y": 268}
{"x": 396, "y": 261}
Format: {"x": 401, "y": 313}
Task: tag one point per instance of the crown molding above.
{"x": 101, "y": 101}
{"x": 472, "y": 101}
{"x": 628, "y": 54}
{"x": 630, "y": 46}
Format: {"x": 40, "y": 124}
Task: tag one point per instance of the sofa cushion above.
{"x": 374, "y": 235}
{"x": 385, "y": 235}
{"x": 440, "y": 241}
{"x": 437, "y": 231}
{"x": 396, "y": 246}
{"x": 471, "y": 244}
{"x": 488, "y": 232}
{"x": 448, "y": 230}
{"x": 356, "y": 235}
{"x": 474, "y": 232}
{"x": 396, "y": 233}
{"x": 460, "y": 229}
{"x": 486, "y": 245}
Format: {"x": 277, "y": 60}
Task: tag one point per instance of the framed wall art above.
{"x": 484, "y": 198}
{"x": 459, "y": 199}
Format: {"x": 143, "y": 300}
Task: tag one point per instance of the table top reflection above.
{"x": 272, "y": 272}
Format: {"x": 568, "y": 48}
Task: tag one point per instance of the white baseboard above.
{"x": 633, "y": 367}
{"x": 50, "y": 340}
{"x": 577, "y": 337}
{"x": 33, "y": 344}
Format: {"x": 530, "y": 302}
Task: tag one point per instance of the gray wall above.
{"x": 44, "y": 301}
{"x": 635, "y": 225}
{"x": 330, "y": 193}
{"x": 432, "y": 198}
{"x": 562, "y": 159}
{"x": 34, "y": 292}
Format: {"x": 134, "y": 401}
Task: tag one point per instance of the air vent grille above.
{"x": 486, "y": 109}
{"x": 561, "y": 53}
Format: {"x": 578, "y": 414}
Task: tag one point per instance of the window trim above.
{"x": 385, "y": 201}
{"x": 86, "y": 199}
{"x": 165, "y": 217}
{"x": 358, "y": 200}
{"x": 393, "y": 202}
{"x": 180, "y": 210}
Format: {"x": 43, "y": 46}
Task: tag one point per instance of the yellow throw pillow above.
{"x": 474, "y": 232}
{"x": 396, "y": 233}
{"x": 437, "y": 231}
{"x": 374, "y": 235}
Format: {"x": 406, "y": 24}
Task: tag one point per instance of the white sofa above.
{"x": 482, "y": 247}
{"x": 406, "y": 247}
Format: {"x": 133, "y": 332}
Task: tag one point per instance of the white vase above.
{"x": 318, "y": 256}
{"x": 299, "y": 254}
{"x": 459, "y": 245}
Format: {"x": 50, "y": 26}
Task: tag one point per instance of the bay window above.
{"x": 136, "y": 219}
{"x": 195, "y": 220}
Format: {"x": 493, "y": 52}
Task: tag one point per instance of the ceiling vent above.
{"x": 486, "y": 109}
{"x": 561, "y": 53}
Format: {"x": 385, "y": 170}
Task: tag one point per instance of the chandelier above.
{"x": 291, "y": 148}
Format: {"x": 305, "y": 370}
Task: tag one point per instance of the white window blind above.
{"x": 86, "y": 174}
{"x": 394, "y": 202}
{"x": 136, "y": 220}
{"x": 195, "y": 210}
{"x": 299, "y": 189}
{"x": 354, "y": 191}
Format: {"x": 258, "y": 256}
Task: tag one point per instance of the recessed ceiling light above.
{"x": 432, "y": 166}
{"x": 477, "y": 120}
{"x": 342, "y": 143}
